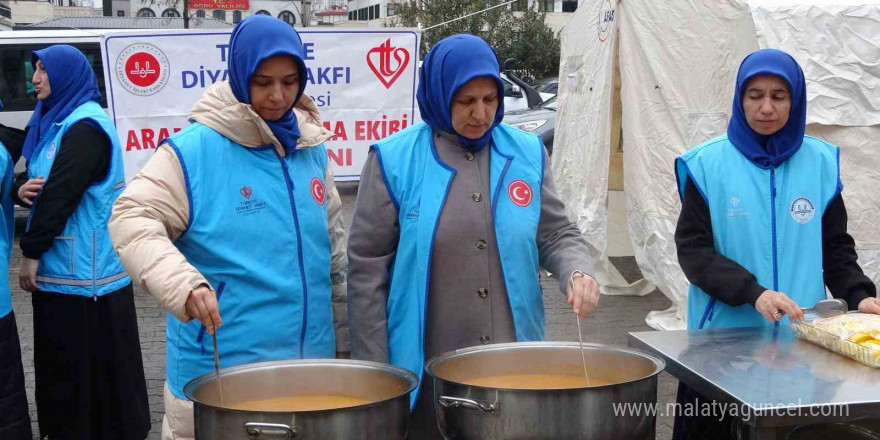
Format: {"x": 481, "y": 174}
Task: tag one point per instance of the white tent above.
{"x": 677, "y": 63}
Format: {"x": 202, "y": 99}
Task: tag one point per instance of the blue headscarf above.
{"x": 770, "y": 151}
{"x": 254, "y": 40}
{"x": 72, "y": 83}
{"x": 449, "y": 65}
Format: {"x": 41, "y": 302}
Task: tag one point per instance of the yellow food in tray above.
{"x": 858, "y": 338}
{"x": 855, "y": 335}
{"x": 851, "y": 326}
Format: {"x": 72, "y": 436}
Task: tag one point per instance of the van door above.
{"x": 17, "y": 90}
{"x": 16, "y": 71}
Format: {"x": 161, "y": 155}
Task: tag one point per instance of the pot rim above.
{"x": 410, "y": 377}
{"x": 659, "y": 363}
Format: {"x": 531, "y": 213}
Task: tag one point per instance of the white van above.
{"x": 16, "y": 71}
{"x": 16, "y": 90}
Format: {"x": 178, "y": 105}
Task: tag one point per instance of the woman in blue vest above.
{"x": 762, "y": 230}
{"x": 15, "y": 422}
{"x": 453, "y": 218}
{"x": 87, "y": 357}
{"x": 232, "y": 223}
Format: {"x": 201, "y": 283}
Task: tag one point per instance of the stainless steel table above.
{"x": 776, "y": 381}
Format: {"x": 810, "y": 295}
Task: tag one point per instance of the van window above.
{"x": 16, "y": 72}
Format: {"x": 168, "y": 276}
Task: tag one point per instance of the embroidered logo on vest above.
{"x": 50, "y": 153}
{"x": 734, "y": 211}
{"x": 520, "y": 193}
{"x": 412, "y": 216}
{"x": 318, "y": 190}
{"x": 802, "y": 210}
{"x": 249, "y": 207}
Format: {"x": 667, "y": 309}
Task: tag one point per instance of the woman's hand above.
{"x": 27, "y": 275}
{"x": 774, "y": 305}
{"x": 870, "y": 305}
{"x": 583, "y": 294}
{"x": 29, "y": 190}
{"x": 202, "y": 305}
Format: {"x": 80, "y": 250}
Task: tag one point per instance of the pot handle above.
{"x": 269, "y": 430}
{"x": 457, "y": 402}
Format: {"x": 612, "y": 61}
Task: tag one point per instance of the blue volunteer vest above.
{"x": 769, "y": 221}
{"x": 257, "y": 227}
{"x": 418, "y": 183}
{"x": 81, "y": 260}
{"x": 7, "y": 228}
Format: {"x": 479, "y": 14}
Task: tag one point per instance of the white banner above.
{"x": 363, "y": 82}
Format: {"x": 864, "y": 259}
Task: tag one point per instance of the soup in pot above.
{"x": 308, "y": 402}
{"x": 535, "y": 381}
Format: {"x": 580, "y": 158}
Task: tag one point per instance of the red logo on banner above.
{"x": 318, "y": 190}
{"x": 520, "y": 193}
{"x": 388, "y": 62}
{"x": 142, "y": 69}
{"x": 246, "y": 191}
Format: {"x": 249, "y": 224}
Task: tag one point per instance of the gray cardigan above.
{"x": 467, "y": 298}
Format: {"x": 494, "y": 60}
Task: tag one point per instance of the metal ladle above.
{"x": 217, "y": 368}
{"x": 825, "y": 308}
{"x": 828, "y": 308}
{"x": 201, "y": 334}
{"x": 583, "y": 358}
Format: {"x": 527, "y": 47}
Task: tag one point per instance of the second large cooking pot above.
{"x": 618, "y": 410}
{"x": 384, "y": 388}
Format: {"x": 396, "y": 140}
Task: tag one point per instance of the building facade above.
{"x": 323, "y": 5}
{"x": 367, "y": 10}
{"x": 25, "y": 12}
{"x": 6, "y": 22}
{"x": 376, "y": 12}
{"x": 329, "y": 17}
{"x": 28, "y": 11}
{"x": 558, "y": 5}
{"x": 230, "y": 11}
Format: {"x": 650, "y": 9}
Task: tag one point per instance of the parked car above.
{"x": 514, "y": 98}
{"x": 547, "y": 85}
{"x": 540, "y": 121}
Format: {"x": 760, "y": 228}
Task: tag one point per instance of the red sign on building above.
{"x": 229, "y": 5}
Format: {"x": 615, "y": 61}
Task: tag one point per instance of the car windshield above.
{"x": 550, "y": 104}
{"x": 549, "y": 88}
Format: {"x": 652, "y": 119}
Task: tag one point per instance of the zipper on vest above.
{"x": 773, "y": 219}
{"x": 707, "y": 314}
{"x": 94, "y": 262}
{"x": 299, "y": 250}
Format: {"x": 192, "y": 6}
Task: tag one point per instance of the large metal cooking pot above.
{"x": 475, "y": 413}
{"x": 387, "y": 388}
